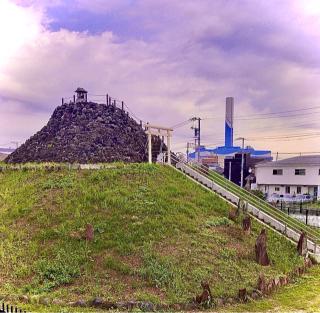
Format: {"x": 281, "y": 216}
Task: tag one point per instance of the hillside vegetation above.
{"x": 157, "y": 236}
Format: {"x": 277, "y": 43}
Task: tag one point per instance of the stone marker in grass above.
{"x": 302, "y": 244}
{"x": 89, "y": 235}
{"x": 246, "y": 224}
{"x": 261, "y": 249}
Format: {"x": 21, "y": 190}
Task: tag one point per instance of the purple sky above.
{"x": 169, "y": 60}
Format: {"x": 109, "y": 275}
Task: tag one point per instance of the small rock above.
{"x": 126, "y": 305}
{"x": 307, "y": 262}
{"x": 176, "y": 307}
{"x": 230, "y": 301}
{"x": 23, "y": 298}
{"x": 190, "y": 307}
{"x": 270, "y": 286}
{"x": 219, "y": 302}
{"x": 206, "y": 296}
{"x": 108, "y": 305}
{"x": 255, "y": 295}
{"x": 146, "y": 306}
{"x": 80, "y": 303}
{"x": 262, "y": 283}
{"x": 97, "y": 302}
{"x": 44, "y": 301}
{"x": 58, "y": 302}
{"x": 242, "y": 294}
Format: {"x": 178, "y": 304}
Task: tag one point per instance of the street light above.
{"x": 242, "y": 159}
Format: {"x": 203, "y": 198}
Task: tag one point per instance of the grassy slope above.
{"x": 152, "y": 239}
{"x": 302, "y": 296}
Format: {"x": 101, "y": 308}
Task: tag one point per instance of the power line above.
{"x": 273, "y": 113}
{"x": 287, "y": 136}
{"x": 280, "y": 112}
{"x": 296, "y": 152}
{"x": 265, "y": 118}
{"x": 181, "y": 124}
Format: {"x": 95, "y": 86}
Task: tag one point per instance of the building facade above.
{"x": 228, "y": 150}
{"x": 290, "y": 177}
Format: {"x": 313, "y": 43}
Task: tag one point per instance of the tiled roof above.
{"x": 79, "y": 89}
{"x": 311, "y": 160}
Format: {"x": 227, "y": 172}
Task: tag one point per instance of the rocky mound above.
{"x": 85, "y": 133}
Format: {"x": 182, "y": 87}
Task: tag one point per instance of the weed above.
{"x": 116, "y": 265}
{"x": 218, "y": 221}
{"x": 58, "y": 183}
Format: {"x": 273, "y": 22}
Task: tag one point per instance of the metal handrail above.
{"x": 231, "y": 187}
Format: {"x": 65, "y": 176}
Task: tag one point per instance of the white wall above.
{"x": 270, "y": 189}
{"x": 265, "y": 177}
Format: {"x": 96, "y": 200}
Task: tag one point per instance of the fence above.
{"x": 5, "y": 308}
{"x": 302, "y": 211}
{"x": 290, "y": 222}
{"x": 109, "y": 101}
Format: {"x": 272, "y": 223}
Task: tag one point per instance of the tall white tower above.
{"x": 228, "y": 142}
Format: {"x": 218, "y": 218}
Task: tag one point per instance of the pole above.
{"x": 62, "y": 101}
{"x": 230, "y": 170}
{"x": 107, "y": 98}
{"x": 149, "y": 146}
{"x": 199, "y": 139}
{"x": 169, "y": 146}
{"x": 307, "y": 212}
{"x": 187, "y": 152}
{"x": 242, "y": 162}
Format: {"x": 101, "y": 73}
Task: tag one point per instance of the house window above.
{"x": 276, "y": 188}
{"x": 299, "y": 190}
{"x": 299, "y": 171}
{"x": 277, "y": 172}
{"x": 287, "y": 189}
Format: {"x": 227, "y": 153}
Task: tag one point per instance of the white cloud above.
{"x": 181, "y": 72}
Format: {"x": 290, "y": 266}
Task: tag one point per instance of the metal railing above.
{"x": 5, "y": 308}
{"x": 294, "y": 224}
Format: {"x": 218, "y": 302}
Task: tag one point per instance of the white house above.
{"x": 294, "y": 176}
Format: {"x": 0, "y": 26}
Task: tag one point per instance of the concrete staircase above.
{"x": 258, "y": 208}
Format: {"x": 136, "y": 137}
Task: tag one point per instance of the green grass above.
{"x": 312, "y": 233}
{"x": 300, "y": 296}
{"x": 157, "y": 236}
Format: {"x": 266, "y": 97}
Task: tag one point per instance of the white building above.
{"x": 293, "y": 176}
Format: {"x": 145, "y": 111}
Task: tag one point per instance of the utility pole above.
{"x": 242, "y": 160}
{"x": 197, "y": 135}
{"x": 189, "y": 146}
{"x": 230, "y": 164}
{"x": 187, "y": 152}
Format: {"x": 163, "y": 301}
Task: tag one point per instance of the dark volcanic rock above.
{"x": 86, "y": 133}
